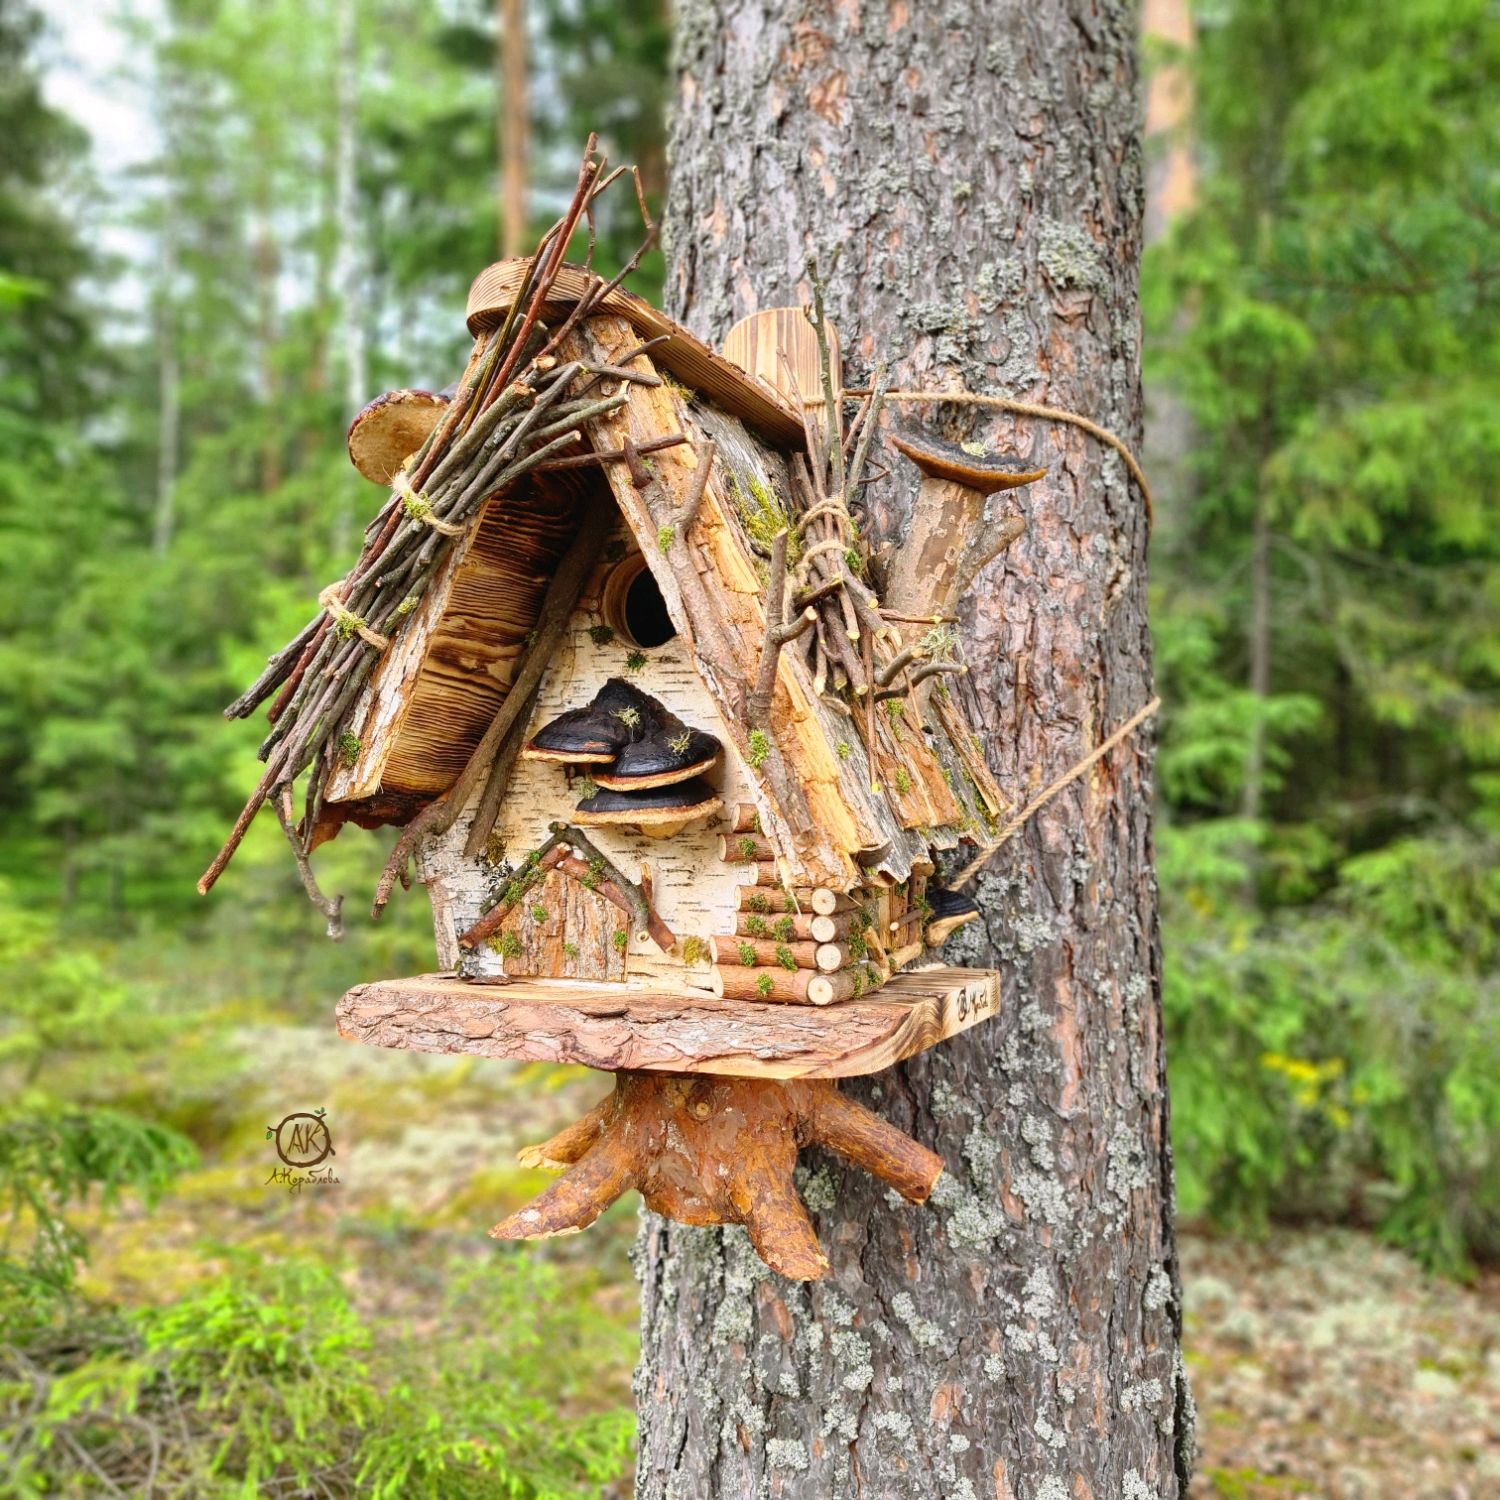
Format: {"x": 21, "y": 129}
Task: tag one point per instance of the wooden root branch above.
{"x": 705, "y": 1150}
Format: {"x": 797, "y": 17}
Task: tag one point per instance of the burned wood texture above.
{"x": 981, "y": 165}
{"x": 610, "y": 1027}
{"x": 434, "y": 694}
{"x": 717, "y": 1151}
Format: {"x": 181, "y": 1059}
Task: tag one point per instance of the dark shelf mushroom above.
{"x": 657, "y": 811}
{"x": 669, "y": 751}
{"x": 950, "y": 911}
{"x": 594, "y": 735}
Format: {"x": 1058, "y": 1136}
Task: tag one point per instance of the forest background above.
{"x": 275, "y": 218}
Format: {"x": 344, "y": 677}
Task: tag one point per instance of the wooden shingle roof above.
{"x": 836, "y": 814}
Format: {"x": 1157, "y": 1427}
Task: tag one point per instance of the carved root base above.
{"x": 707, "y": 1150}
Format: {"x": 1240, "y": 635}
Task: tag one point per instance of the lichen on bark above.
{"x": 1018, "y": 1338}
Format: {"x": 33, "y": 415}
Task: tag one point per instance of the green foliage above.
{"x": 269, "y": 1376}
{"x": 760, "y": 748}
{"x": 51, "y": 1160}
{"x": 1332, "y": 985}
{"x": 1342, "y": 1055}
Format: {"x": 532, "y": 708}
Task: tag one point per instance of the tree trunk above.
{"x": 1252, "y": 796}
{"x": 349, "y": 263}
{"x": 512, "y": 123}
{"x": 980, "y": 168}
{"x": 168, "y": 383}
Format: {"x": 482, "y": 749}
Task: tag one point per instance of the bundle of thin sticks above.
{"x": 517, "y": 411}
{"x": 854, "y": 648}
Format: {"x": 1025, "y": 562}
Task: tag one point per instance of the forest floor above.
{"x": 1323, "y": 1363}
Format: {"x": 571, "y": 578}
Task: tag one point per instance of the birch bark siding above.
{"x": 980, "y": 167}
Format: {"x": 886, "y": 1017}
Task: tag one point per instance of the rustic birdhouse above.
{"x": 676, "y": 757}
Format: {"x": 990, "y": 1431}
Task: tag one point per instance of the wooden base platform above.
{"x": 608, "y": 1027}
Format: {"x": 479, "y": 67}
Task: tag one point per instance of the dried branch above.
{"x": 332, "y": 907}
{"x": 759, "y": 707}
{"x": 609, "y": 455}
{"x": 693, "y": 500}
{"x": 546, "y": 856}
{"x": 932, "y": 669}
{"x": 645, "y": 918}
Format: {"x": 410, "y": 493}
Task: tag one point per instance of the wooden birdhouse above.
{"x": 675, "y": 756}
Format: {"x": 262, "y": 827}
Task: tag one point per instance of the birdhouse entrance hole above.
{"x": 634, "y": 607}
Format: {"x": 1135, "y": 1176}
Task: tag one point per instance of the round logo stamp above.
{"x": 302, "y": 1139}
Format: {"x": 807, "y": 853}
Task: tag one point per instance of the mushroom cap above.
{"x": 390, "y": 429}
{"x": 678, "y": 803}
{"x": 982, "y": 472}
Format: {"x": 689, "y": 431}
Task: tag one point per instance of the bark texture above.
{"x": 980, "y": 167}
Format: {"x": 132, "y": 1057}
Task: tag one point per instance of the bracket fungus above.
{"x": 386, "y": 432}
{"x": 948, "y": 541}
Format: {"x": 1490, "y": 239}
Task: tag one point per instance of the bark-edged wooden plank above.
{"x": 602, "y": 1026}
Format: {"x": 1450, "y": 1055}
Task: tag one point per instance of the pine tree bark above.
{"x": 980, "y": 167}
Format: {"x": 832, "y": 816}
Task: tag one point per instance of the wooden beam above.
{"x": 610, "y": 1027}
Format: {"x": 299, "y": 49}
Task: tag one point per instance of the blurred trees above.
{"x": 1329, "y": 621}
{"x": 178, "y": 485}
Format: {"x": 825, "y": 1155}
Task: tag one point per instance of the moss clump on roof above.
{"x": 763, "y": 516}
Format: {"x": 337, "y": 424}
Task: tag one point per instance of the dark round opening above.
{"x": 647, "y": 622}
